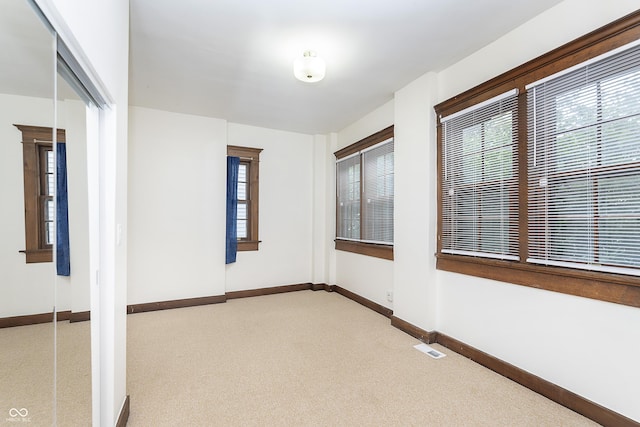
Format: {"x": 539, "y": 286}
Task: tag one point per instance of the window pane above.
{"x": 49, "y": 230}
{"x": 50, "y": 185}
{"x": 348, "y": 187}
{"x": 377, "y": 164}
{"x": 576, "y": 108}
{"x": 50, "y": 161}
{"x": 242, "y": 191}
{"x": 471, "y": 154}
{"x": 243, "y": 181}
{"x": 480, "y": 185}
{"x": 242, "y": 210}
{"x": 498, "y": 147}
{"x": 498, "y": 164}
{"x": 619, "y": 220}
{"x": 620, "y": 95}
{"x": 621, "y": 141}
{"x": 584, "y": 201}
{"x": 242, "y": 172}
{"x": 575, "y": 150}
{"x": 242, "y": 229}
{"x": 49, "y": 210}
{"x": 570, "y": 220}
{"x": 49, "y": 216}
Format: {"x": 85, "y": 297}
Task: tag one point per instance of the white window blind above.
{"x": 584, "y": 166}
{"x": 49, "y": 192}
{"x": 377, "y": 207}
{"x": 480, "y": 180}
{"x": 243, "y": 201}
{"x": 348, "y": 177}
{"x": 365, "y": 195}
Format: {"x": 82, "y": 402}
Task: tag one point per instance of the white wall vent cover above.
{"x": 429, "y": 351}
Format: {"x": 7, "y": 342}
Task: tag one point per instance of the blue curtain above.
{"x": 233, "y": 165}
{"x": 63, "y": 259}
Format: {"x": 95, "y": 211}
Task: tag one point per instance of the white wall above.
{"x": 549, "y": 30}
{"x": 415, "y": 213}
{"x": 320, "y": 270}
{"x": 177, "y": 175}
{"x": 177, "y": 193}
{"x": 286, "y": 220}
{"x": 587, "y": 346}
{"x": 366, "y": 276}
{"x": 330, "y": 209}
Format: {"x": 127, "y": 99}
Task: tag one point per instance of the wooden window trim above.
{"x": 33, "y": 139}
{"x": 615, "y": 288}
{"x": 363, "y": 248}
{"x": 251, "y": 156}
{"x": 367, "y": 142}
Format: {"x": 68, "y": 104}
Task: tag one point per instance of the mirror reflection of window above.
{"x": 48, "y": 193}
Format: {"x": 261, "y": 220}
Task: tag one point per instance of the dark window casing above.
{"x": 616, "y": 288}
{"x": 377, "y": 250}
{"x": 37, "y": 142}
{"x": 249, "y": 157}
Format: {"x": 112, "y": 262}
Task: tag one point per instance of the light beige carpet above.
{"x": 26, "y": 375}
{"x": 298, "y": 359}
{"x": 310, "y": 359}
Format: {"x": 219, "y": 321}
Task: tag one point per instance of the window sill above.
{"x": 615, "y": 288}
{"x": 248, "y": 245}
{"x": 369, "y": 249}
{"x": 38, "y": 255}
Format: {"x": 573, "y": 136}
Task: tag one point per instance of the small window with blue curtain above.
{"x": 46, "y": 219}
{"x": 242, "y": 199}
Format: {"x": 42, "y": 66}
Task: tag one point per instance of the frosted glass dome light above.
{"x": 309, "y": 68}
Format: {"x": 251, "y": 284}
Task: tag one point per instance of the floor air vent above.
{"x": 429, "y": 351}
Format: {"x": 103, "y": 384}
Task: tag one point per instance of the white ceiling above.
{"x": 232, "y": 59}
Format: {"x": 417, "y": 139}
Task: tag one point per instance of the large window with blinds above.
{"x": 539, "y": 171}
{"x": 584, "y": 166}
{"x": 480, "y": 180}
{"x": 364, "y": 196}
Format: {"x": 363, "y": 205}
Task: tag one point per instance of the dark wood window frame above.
{"x": 251, "y": 158}
{"x": 36, "y": 141}
{"x": 615, "y": 288}
{"x": 363, "y": 248}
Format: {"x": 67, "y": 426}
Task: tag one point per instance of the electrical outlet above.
{"x": 390, "y": 296}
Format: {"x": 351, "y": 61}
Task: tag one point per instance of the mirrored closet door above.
{"x": 45, "y": 366}
{"x": 27, "y": 276}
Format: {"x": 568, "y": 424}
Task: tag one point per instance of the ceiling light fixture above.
{"x": 309, "y": 68}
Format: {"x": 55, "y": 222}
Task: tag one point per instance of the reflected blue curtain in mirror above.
{"x": 233, "y": 165}
{"x": 63, "y": 259}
